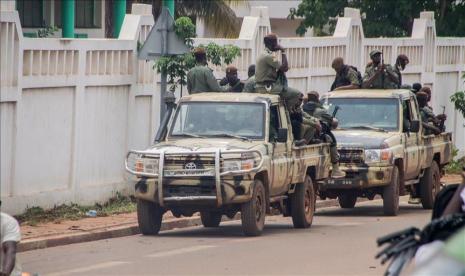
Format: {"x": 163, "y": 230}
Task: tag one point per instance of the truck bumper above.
{"x": 202, "y": 192}
{"x": 359, "y": 178}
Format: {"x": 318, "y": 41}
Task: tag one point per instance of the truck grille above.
{"x": 353, "y": 156}
{"x": 189, "y": 165}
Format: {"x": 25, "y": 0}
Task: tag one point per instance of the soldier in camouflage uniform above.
{"x": 270, "y": 72}
{"x": 305, "y": 127}
{"x": 234, "y": 84}
{"x": 346, "y": 76}
{"x": 249, "y": 85}
{"x": 314, "y": 108}
{"x": 200, "y": 78}
{"x": 428, "y": 120}
{"x": 401, "y": 62}
{"x": 379, "y": 76}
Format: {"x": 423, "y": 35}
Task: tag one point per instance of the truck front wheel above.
{"x": 149, "y": 217}
{"x": 253, "y": 212}
{"x": 210, "y": 219}
{"x": 303, "y": 204}
{"x": 430, "y": 184}
{"x": 391, "y": 194}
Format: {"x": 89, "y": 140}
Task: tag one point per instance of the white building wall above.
{"x": 71, "y": 108}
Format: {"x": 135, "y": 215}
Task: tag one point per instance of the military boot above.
{"x": 336, "y": 172}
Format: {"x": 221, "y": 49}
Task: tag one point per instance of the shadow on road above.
{"x": 232, "y": 229}
{"x": 369, "y": 211}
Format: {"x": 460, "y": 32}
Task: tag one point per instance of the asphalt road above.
{"x": 340, "y": 242}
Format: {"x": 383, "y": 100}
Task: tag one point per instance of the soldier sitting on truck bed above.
{"x": 200, "y": 78}
{"x": 249, "y": 85}
{"x": 427, "y": 118}
{"x": 313, "y": 107}
{"x": 305, "y": 127}
{"x": 379, "y": 75}
{"x": 270, "y": 72}
{"x": 233, "y": 83}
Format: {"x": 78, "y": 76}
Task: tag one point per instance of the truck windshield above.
{"x": 210, "y": 119}
{"x": 375, "y": 113}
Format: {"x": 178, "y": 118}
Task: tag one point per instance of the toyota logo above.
{"x": 190, "y": 166}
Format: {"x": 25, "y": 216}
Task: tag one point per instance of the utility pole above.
{"x": 67, "y": 18}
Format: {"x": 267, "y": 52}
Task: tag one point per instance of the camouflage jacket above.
{"x": 370, "y": 71}
{"x": 201, "y": 79}
{"x": 249, "y": 85}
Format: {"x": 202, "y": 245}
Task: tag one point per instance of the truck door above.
{"x": 279, "y": 162}
{"x": 412, "y": 147}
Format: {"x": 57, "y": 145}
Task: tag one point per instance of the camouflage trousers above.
{"x": 289, "y": 95}
{"x": 307, "y": 132}
{"x": 332, "y": 148}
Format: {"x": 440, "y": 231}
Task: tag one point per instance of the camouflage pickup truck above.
{"x": 225, "y": 153}
{"x": 382, "y": 149}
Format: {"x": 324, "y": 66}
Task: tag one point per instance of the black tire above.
{"x": 149, "y": 217}
{"x": 303, "y": 204}
{"x": 210, "y": 219}
{"x": 430, "y": 184}
{"x": 347, "y": 201}
{"x": 253, "y": 212}
{"x": 391, "y": 194}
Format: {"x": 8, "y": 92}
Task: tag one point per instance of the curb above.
{"x": 128, "y": 230}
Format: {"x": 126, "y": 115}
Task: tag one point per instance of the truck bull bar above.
{"x": 191, "y": 173}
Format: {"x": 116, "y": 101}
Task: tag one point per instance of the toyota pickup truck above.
{"x": 223, "y": 153}
{"x": 382, "y": 149}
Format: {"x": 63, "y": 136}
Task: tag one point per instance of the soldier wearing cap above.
{"x": 200, "y": 78}
{"x": 270, "y": 72}
{"x": 234, "y": 84}
{"x": 378, "y": 75}
{"x": 250, "y": 83}
{"x": 314, "y": 108}
{"x": 401, "y": 61}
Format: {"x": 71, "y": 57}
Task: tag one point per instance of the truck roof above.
{"x": 231, "y": 97}
{"x": 371, "y": 93}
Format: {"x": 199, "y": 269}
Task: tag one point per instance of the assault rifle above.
{"x": 441, "y": 124}
{"x": 382, "y": 65}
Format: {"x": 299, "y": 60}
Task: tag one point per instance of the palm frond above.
{"x": 216, "y": 13}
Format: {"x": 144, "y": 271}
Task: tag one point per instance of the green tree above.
{"x": 176, "y": 67}
{"x": 458, "y": 99}
{"x": 391, "y": 18}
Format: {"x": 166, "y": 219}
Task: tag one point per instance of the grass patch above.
{"x": 456, "y": 165}
{"x": 116, "y": 205}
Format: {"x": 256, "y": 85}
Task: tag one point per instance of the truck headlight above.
{"x": 137, "y": 163}
{"x": 377, "y": 156}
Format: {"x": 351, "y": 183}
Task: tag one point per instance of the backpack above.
{"x": 359, "y": 75}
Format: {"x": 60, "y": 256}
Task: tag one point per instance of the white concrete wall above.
{"x": 434, "y": 61}
{"x": 70, "y": 110}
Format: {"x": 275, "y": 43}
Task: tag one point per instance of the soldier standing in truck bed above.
{"x": 201, "y": 78}
{"x": 249, "y": 85}
{"x": 270, "y": 72}
{"x": 379, "y": 75}
{"x": 347, "y": 77}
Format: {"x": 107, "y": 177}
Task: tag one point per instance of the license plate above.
{"x": 340, "y": 182}
{"x": 188, "y": 173}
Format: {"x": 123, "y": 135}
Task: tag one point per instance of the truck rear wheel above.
{"x": 347, "y": 201}
{"x": 303, "y": 204}
{"x": 430, "y": 184}
{"x": 253, "y": 212}
{"x": 391, "y": 194}
{"x": 149, "y": 217}
{"x": 210, "y": 219}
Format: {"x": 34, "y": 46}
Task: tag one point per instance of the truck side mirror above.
{"x": 415, "y": 126}
{"x": 282, "y": 135}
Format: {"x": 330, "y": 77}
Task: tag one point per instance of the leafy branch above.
{"x": 458, "y": 99}
{"x": 176, "y": 67}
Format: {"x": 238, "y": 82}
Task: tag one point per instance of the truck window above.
{"x": 274, "y": 122}
{"x": 216, "y": 119}
{"x": 407, "y": 115}
{"x": 370, "y": 112}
